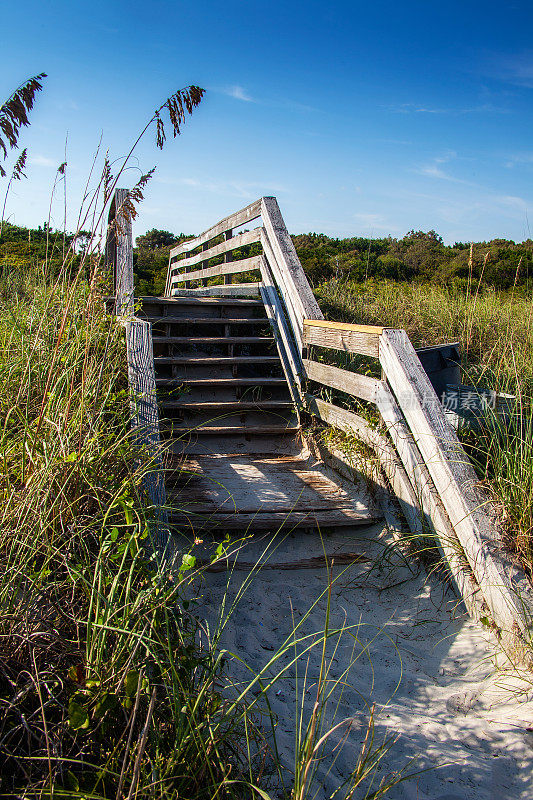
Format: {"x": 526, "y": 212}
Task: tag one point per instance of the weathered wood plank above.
{"x": 235, "y": 220}
{"x": 345, "y": 326}
{"x": 291, "y": 299}
{"x": 339, "y": 336}
{"x": 145, "y": 416}
{"x": 454, "y": 479}
{"x": 228, "y": 279}
{"x": 286, "y": 255}
{"x": 289, "y": 354}
{"x": 352, "y": 424}
{"x": 123, "y": 260}
{"x": 273, "y": 520}
{"x": 350, "y": 382}
{"x": 243, "y": 265}
{"x": 427, "y": 498}
{"x": 243, "y": 239}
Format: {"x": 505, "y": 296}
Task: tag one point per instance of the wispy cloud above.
{"x": 434, "y": 168}
{"x": 412, "y": 108}
{"x": 519, "y": 159}
{"x": 515, "y": 69}
{"x": 479, "y": 108}
{"x": 238, "y": 93}
{"x": 39, "y": 160}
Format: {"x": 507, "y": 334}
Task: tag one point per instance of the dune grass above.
{"x": 106, "y": 688}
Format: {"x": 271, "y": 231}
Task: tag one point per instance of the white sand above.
{"x": 428, "y": 668}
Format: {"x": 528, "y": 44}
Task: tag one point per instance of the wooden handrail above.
{"x": 235, "y": 220}
{"x": 344, "y": 326}
{"x": 242, "y": 239}
{"x": 362, "y": 339}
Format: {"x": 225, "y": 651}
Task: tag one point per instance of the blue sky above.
{"x": 362, "y": 118}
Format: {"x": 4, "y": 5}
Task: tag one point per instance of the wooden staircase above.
{"x": 225, "y": 393}
{"x": 230, "y": 426}
{"x": 219, "y": 377}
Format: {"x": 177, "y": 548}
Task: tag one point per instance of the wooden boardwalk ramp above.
{"x": 229, "y": 375}
{"x": 234, "y": 452}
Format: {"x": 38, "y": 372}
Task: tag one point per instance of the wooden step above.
{"x": 211, "y": 339}
{"x": 200, "y": 361}
{"x": 231, "y": 430}
{"x": 199, "y": 301}
{"x": 221, "y": 382}
{"x": 237, "y": 491}
{"x": 272, "y": 520}
{"x": 207, "y": 320}
{"x": 226, "y": 406}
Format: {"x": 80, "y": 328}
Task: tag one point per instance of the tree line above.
{"x": 418, "y": 256}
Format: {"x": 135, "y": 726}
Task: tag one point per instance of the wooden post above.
{"x": 228, "y": 256}
{"x": 145, "y": 417}
{"x": 121, "y": 233}
{"x": 205, "y": 246}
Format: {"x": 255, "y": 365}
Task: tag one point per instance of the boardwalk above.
{"x": 238, "y": 383}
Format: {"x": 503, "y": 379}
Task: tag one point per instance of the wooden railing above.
{"x": 139, "y": 352}
{"x": 425, "y": 464}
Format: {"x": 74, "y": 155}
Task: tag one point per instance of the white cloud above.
{"x": 433, "y": 169}
{"x": 42, "y": 161}
{"x": 413, "y": 108}
{"x": 519, "y": 158}
{"x": 238, "y": 93}
{"x": 516, "y": 69}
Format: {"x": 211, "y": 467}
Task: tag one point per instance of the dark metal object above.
{"x": 442, "y": 365}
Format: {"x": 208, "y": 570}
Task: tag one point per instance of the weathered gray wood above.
{"x": 292, "y": 377}
{"x": 289, "y": 354}
{"x": 428, "y": 499}
{"x": 222, "y": 291}
{"x": 169, "y": 320}
{"x": 222, "y": 382}
{"x": 291, "y": 299}
{"x": 237, "y": 486}
{"x": 388, "y": 460}
{"x": 221, "y": 407}
{"x": 286, "y": 255}
{"x": 211, "y": 339}
{"x": 228, "y": 279}
{"x": 123, "y": 257}
{"x": 454, "y": 479}
{"x": 362, "y": 339}
{"x": 235, "y": 220}
{"x": 243, "y": 265}
{"x": 243, "y": 239}
{"x": 350, "y": 382}
{"x": 273, "y": 520}
{"x": 145, "y": 415}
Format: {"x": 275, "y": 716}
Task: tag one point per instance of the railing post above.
{"x": 205, "y": 246}
{"x": 228, "y": 257}
{"x": 119, "y": 253}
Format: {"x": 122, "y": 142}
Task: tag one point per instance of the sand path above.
{"x": 428, "y": 668}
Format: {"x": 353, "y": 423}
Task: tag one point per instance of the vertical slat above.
{"x": 228, "y": 257}
{"x": 205, "y": 247}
